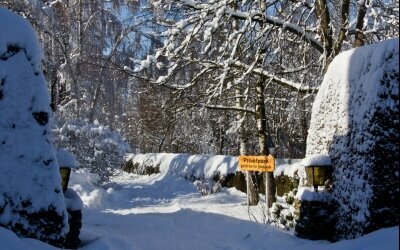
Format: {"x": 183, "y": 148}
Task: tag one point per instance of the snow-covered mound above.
{"x": 355, "y": 120}
{"x": 31, "y": 198}
{"x": 184, "y": 165}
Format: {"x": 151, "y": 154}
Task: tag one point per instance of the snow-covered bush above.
{"x": 191, "y": 167}
{"x": 355, "y": 120}
{"x": 95, "y": 146}
{"x": 31, "y": 198}
{"x": 207, "y": 187}
{"x": 288, "y": 179}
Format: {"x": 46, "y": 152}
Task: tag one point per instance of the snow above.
{"x": 355, "y": 121}
{"x": 166, "y": 212}
{"x": 317, "y": 160}
{"x": 10, "y": 241}
{"x": 290, "y": 170}
{"x": 73, "y": 201}
{"x": 308, "y": 194}
{"x": 66, "y": 159}
{"x": 93, "y": 144}
{"x": 24, "y": 38}
{"x": 298, "y": 166}
{"x": 187, "y": 166}
{"x": 29, "y": 172}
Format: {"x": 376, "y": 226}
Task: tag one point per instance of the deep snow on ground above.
{"x": 167, "y": 212}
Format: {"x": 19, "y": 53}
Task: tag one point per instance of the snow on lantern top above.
{"x": 66, "y": 159}
{"x": 316, "y": 160}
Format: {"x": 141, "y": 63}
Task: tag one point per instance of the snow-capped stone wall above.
{"x": 31, "y": 199}
{"x": 355, "y": 120}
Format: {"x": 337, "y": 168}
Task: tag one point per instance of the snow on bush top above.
{"x": 29, "y": 176}
{"x": 349, "y": 92}
{"x": 291, "y": 170}
{"x": 25, "y": 37}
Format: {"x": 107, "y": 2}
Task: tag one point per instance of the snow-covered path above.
{"x": 167, "y": 212}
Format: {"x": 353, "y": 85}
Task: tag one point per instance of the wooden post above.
{"x": 248, "y": 191}
{"x": 266, "y": 196}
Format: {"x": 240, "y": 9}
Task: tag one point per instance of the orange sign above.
{"x": 257, "y": 163}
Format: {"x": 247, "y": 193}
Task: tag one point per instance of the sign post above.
{"x": 261, "y": 163}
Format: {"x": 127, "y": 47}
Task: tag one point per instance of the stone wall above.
{"x": 315, "y": 217}
{"x": 310, "y": 214}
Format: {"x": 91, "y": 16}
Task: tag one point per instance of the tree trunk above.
{"x": 78, "y": 65}
{"x": 359, "y": 39}
{"x": 325, "y": 30}
{"x": 262, "y": 137}
{"x": 241, "y": 132}
{"x": 52, "y": 76}
{"x": 221, "y": 139}
{"x": 251, "y": 177}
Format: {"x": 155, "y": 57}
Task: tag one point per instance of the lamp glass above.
{"x": 65, "y": 173}
{"x": 317, "y": 175}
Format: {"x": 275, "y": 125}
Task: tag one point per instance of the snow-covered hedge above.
{"x": 31, "y": 198}
{"x": 187, "y": 166}
{"x": 95, "y": 146}
{"x": 355, "y": 120}
{"x": 202, "y": 169}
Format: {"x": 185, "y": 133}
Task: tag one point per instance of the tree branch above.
{"x": 258, "y": 17}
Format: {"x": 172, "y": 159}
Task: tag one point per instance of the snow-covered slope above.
{"x": 31, "y": 199}
{"x": 355, "y": 120}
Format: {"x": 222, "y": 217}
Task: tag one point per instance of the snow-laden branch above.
{"x": 231, "y": 108}
{"x": 278, "y": 80}
{"x": 209, "y": 65}
{"x": 259, "y": 17}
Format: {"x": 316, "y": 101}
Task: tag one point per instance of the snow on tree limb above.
{"x": 209, "y": 65}
{"x": 259, "y": 17}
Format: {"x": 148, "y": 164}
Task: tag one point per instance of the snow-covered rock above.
{"x": 31, "y": 198}
{"x": 355, "y": 120}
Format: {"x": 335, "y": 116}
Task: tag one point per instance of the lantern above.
{"x": 65, "y": 173}
{"x": 318, "y": 175}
